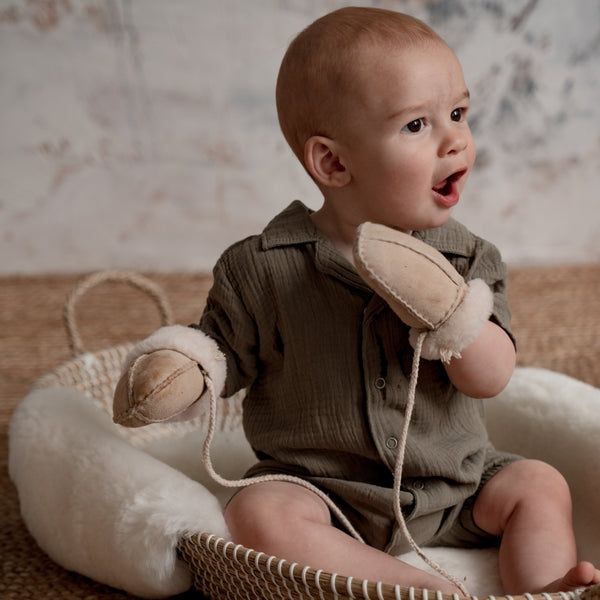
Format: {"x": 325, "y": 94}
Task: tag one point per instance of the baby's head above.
{"x": 317, "y": 78}
{"x": 373, "y": 103}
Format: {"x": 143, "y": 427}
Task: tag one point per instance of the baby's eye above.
{"x": 457, "y": 114}
{"x": 414, "y": 126}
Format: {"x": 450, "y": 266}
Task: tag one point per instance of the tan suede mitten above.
{"x": 423, "y": 289}
{"x": 156, "y": 387}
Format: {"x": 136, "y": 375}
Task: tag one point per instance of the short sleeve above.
{"x": 226, "y": 320}
{"x": 474, "y": 258}
{"x": 487, "y": 264}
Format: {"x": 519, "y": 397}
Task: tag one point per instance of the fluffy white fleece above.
{"x": 96, "y": 504}
{"x": 113, "y": 512}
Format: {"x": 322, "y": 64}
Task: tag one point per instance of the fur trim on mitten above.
{"x": 463, "y": 326}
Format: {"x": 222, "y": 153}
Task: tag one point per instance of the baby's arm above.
{"x": 428, "y": 294}
{"x": 165, "y": 377}
{"x": 486, "y": 365}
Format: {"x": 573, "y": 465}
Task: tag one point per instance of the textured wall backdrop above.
{"x": 142, "y": 133}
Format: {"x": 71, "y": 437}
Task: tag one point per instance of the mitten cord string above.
{"x": 410, "y": 404}
{"x": 212, "y": 423}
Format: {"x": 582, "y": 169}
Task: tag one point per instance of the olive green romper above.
{"x": 326, "y": 364}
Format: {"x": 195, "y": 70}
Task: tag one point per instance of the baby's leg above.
{"x": 528, "y": 503}
{"x": 291, "y": 522}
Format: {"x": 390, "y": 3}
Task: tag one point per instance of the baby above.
{"x": 374, "y": 105}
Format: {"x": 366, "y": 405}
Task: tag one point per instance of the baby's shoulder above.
{"x": 241, "y": 258}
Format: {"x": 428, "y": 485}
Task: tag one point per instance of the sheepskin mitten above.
{"x": 163, "y": 378}
{"x": 423, "y": 289}
{"x": 156, "y": 387}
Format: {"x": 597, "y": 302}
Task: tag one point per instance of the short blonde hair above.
{"x": 316, "y": 74}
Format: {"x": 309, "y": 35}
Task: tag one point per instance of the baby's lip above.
{"x": 446, "y": 191}
{"x": 444, "y": 186}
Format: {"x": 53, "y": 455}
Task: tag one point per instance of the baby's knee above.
{"x": 539, "y": 484}
{"x": 260, "y": 515}
{"x": 243, "y": 518}
{"x": 544, "y": 478}
{"x": 530, "y": 485}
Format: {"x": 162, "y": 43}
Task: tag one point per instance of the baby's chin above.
{"x": 430, "y": 223}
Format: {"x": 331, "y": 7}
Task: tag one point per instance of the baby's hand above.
{"x": 156, "y": 387}
{"x": 423, "y": 289}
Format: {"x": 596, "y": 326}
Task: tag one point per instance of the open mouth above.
{"x": 447, "y": 192}
{"x": 447, "y": 187}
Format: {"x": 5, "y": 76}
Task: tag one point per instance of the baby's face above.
{"x": 407, "y": 143}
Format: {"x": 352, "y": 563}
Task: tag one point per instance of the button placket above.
{"x": 376, "y": 388}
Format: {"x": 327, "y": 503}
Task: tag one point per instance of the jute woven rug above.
{"x": 556, "y": 318}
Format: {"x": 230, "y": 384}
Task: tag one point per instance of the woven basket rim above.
{"x": 284, "y": 577}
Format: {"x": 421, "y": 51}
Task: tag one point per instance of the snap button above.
{"x": 380, "y": 383}
{"x": 391, "y": 442}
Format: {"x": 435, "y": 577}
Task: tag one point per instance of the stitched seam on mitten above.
{"x": 386, "y": 286}
{"x": 168, "y": 380}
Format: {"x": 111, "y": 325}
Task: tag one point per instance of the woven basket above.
{"x": 223, "y": 570}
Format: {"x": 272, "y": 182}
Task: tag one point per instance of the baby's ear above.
{"x": 323, "y": 162}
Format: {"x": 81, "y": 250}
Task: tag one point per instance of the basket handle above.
{"x": 134, "y": 279}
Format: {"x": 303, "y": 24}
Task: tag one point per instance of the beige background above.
{"x": 142, "y": 133}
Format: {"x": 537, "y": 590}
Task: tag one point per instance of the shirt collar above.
{"x": 294, "y": 227}
{"x": 291, "y": 227}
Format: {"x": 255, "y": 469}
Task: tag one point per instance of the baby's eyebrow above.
{"x": 466, "y": 95}
{"x": 421, "y": 108}
{"x": 407, "y": 110}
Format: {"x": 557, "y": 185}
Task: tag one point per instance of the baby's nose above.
{"x": 454, "y": 141}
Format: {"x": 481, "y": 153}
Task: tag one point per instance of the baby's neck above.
{"x": 341, "y": 235}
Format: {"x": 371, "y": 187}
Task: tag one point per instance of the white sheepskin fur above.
{"x": 105, "y": 509}
{"x": 97, "y": 505}
{"x": 552, "y": 417}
